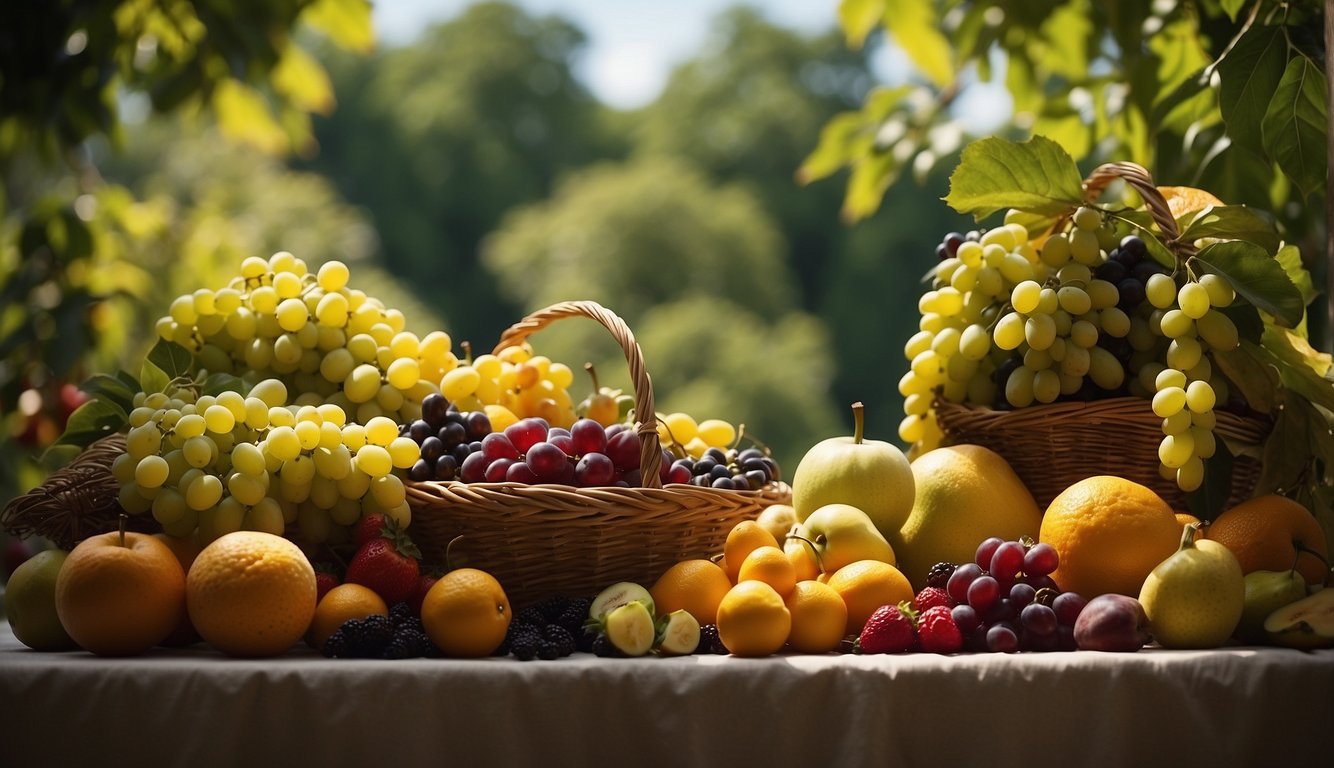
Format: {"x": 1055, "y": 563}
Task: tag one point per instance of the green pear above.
{"x": 842, "y": 534}
{"x": 30, "y": 603}
{"x": 1195, "y": 597}
{"x": 871, "y": 475}
{"x": 1307, "y": 623}
{"x": 1266, "y": 592}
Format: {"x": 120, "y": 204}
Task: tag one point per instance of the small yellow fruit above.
{"x": 753, "y": 620}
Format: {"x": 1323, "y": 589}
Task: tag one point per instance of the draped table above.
{"x": 1240, "y": 706}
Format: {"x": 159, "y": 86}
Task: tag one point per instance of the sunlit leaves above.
{"x": 1249, "y": 76}
{"x": 1294, "y": 125}
{"x": 346, "y": 22}
{"x": 1036, "y": 176}
{"x": 1256, "y": 276}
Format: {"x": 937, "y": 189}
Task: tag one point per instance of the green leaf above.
{"x": 1290, "y": 257}
{"x": 1255, "y": 276}
{"x": 1294, "y": 127}
{"x": 346, "y": 22}
{"x": 1300, "y": 367}
{"x": 1248, "y": 77}
{"x": 1036, "y": 224}
{"x": 1250, "y": 326}
{"x": 172, "y": 359}
{"x": 1251, "y": 371}
{"x": 1232, "y": 7}
{"x": 94, "y": 419}
{"x": 218, "y": 383}
{"x": 112, "y": 389}
{"x": 834, "y": 149}
{"x": 1233, "y": 222}
{"x": 1286, "y": 451}
{"x": 867, "y": 184}
{"x": 1036, "y": 176}
{"x": 1186, "y": 90}
{"x": 244, "y": 116}
{"x": 1209, "y": 500}
{"x": 152, "y": 378}
{"x": 301, "y": 78}
{"x": 858, "y": 18}
{"x": 917, "y": 31}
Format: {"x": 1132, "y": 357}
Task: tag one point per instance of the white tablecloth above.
{"x": 194, "y": 707}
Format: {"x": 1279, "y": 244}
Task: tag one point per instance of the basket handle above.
{"x": 1137, "y": 176}
{"x": 650, "y": 450}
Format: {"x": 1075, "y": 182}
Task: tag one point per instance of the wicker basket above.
{"x": 543, "y": 540}
{"x": 1052, "y": 446}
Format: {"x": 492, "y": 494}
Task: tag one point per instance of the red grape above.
{"x": 1041, "y": 560}
{"x": 966, "y": 618}
{"x": 563, "y": 442}
{"x": 473, "y": 469}
{"x": 495, "y": 471}
{"x": 547, "y": 462}
{"x": 525, "y": 433}
{"x": 1068, "y": 606}
{"x": 520, "y": 472}
{"x": 623, "y": 450}
{"x": 498, "y": 446}
{"x": 1007, "y": 561}
{"x": 983, "y": 593}
{"x": 1001, "y": 638}
{"x": 960, "y": 580}
{"x": 679, "y": 473}
{"x": 985, "y": 550}
{"x": 594, "y": 469}
{"x": 1038, "y": 619}
{"x": 588, "y": 437}
{"x": 1021, "y": 594}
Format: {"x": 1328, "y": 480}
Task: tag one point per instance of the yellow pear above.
{"x": 842, "y": 534}
{"x": 1195, "y": 597}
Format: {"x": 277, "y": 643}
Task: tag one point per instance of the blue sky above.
{"x": 633, "y": 44}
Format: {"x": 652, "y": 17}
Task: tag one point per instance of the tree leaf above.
{"x": 1248, "y": 77}
{"x": 1255, "y": 276}
{"x": 171, "y": 358}
{"x": 1251, "y": 371}
{"x": 299, "y": 77}
{"x": 917, "y": 31}
{"x": 111, "y": 388}
{"x": 1209, "y": 500}
{"x": 1036, "y": 176}
{"x": 834, "y": 150}
{"x": 217, "y": 383}
{"x": 1233, "y": 222}
{"x": 1250, "y": 326}
{"x": 1287, "y": 449}
{"x": 1232, "y": 7}
{"x": 152, "y": 379}
{"x": 244, "y": 116}
{"x": 867, "y": 184}
{"x": 346, "y": 22}
{"x": 1290, "y": 257}
{"x": 858, "y": 18}
{"x": 94, "y": 419}
{"x": 1294, "y": 127}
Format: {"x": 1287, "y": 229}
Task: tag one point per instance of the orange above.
{"x": 1109, "y": 533}
{"x": 696, "y": 586}
{"x": 1185, "y": 518}
{"x": 744, "y": 538}
{"x": 342, "y": 603}
{"x": 1271, "y": 533}
{"x": 753, "y": 620}
{"x": 865, "y": 585}
{"x": 802, "y": 556}
{"x": 251, "y": 594}
{"x": 120, "y": 594}
{"x": 771, "y": 566}
{"x": 466, "y": 613}
{"x": 186, "y": 550}
{"x": 819, "y": 617}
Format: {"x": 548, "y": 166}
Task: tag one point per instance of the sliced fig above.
{"x": 678, "y": 633}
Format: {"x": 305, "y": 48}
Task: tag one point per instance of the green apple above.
{"x": 30, "y": 602}
{"x": 1307, "y": 623}
{"x": 871, "y": 475}
{"x": 842, "y": 534}
{"x": 1266, "y": 592}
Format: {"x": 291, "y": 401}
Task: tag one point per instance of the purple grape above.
{"x": 446, "y": 468}
{"x": 983, "y": 593}
{"x": 495, "y": 471}
{"x": 421, "y": 470}
{"x": 588, "y": 436}
{"x": 960, "y": 580}
{"x": 563, "y": 442}
{"x": 966, "y": 617}
{"x": 679, "y": 472}
{"x": 985, "y": 550}
{"x": 1001, "y": 638}
{"x": 1001, "y": 610}
{"x": 419, "y": 430}
{"x": 497, "y": 446}
{"x": 478, "y": 424}
{"x": 453, "y": 433}
{"x": 1131, "y": 293}
{"x": 525, "y": 433}
{"x": 520, "y": 472}
{"x": 1041, "y": 560}
{"x": 623, "y": 450}
{"x": 1021, "y": 594}
{"x": 633, "y": 478}
{"x": 1065, "y": 638}
{"x": 473, "y": 468}
{"x": 1041, "y": 582}
{"x": 432, "y": 448}
{"x": 547, "y": 462}
{"x": 1068, "y": 606}
{"x": 433, "y": 409}
{"x": 1036, "y": 642}
{"x": 1007, "y": 560}
{"x": 594, "y": 469}
{"x": 1038, "y": 619}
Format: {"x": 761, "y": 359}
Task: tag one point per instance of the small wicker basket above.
{"x": 544, "y": 540}
{"x": 1053, "y": 446}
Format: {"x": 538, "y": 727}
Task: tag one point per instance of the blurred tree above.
{"x": 438, "y": 139}
{"x": 69, "y": 240}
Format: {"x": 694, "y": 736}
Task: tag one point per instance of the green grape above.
{"x": 246, "y": 488}
{"x": 219, "y": 419}
{"x": 1074, "y": 273}
{"x": 307, "y": 434}
{"x": 354, "y": 436}
{"x": 331, "y": 435}
{"x": 256, "y": 413}
{"x": 123, "y": 468}
{"x": 1193, "y": 299}
{"x": 204, "y": 492}
{"x": 1084, "y": 247}
{"x": 264, "y": 300}
{"x": 282, "y": 443}
{"x": 911, "y": 384}
{"x": 1205, "y": 442}
{"x": 362, "y": 384}
{"x": 190, "y": 425}
{"x": 182, "y": 310}
{"x": 917, "y": 344}
{"x": 964, "y": 279}
{"x": 151, "y": 472}
{"x": 1160, "y": 290}
{"x": 314, "y": 523}
{"x": 259, "y": 354}
{"x": 913, "y": 405}
{"x": 1015, "y": 268}
{"x": 974, "y": 343}
{"x": 990, "y": 282}
{"x": 323, "y": 492}
{"x": 331, "y": 413}
{"x": 1105, "y": 370}
{"x": 332, "y": 310}
{"x": 272, "y": 391}
{"x": 928, "y": 367}
{"x": 1168, "y": 401}
{"x": 286, "y": 285}
{"x": 332, "y": 276}
{"x": 143, "y": 441}
{"x": 1184, "y": 353}
{"x": 1219, "y": 289}
{"x": 1074, "y": 300}
{"x": 254, "y": 267}
{"x": 169, "y": 506}
{"x": 292, "y": 314}
{"x": 1009, "y": 332}
{"x": 1176, "y": 323}
{"x": 1084, "y": 334}
{"x": 946, "y": 343}
{"x": 1169, "y": 377}
{"x": 1205, "y": 419}
{"x": 1046, "y": 386}
{"x": 403, "y": 372}
{"x": 1040, "y": 331}
{"x": 265, "y": 519}
{"x": 388, "y": 491}
{"x": 1141, "y": 336}
{"x": 298, "y": 471}
{"x": 1055, "y": 251}
{"x": 334, "y": 463}
{"x": 1176, "y": 423}
{"x": 404, "y": 452}
{"x": 1200, "y": 397}
{"x": 1217, "y": 330}
{"x": 1190, "y": 476}
{"x": 1103, "y": 295}
{"x": 960, "y": 369}
{"x": 1076, "y": 361}
{"x": 1087, "y": 218}
{"x": 1062, "y": 322}
{"x": 1114, "y": 322}
{"x": 1024, "y": 297}
{"x": 1019, "y": 387}
{"x": 281, "y": 416}
{"x": 224, "y": 519}
{"x": 374, "y": 460}
{"x": 199, "y": 451}
{"x": 1037, "y": 359}
{"x": 355, "y": 484}
{"x": 912, "y": 428}
{"x": 286, "y": 352}
{"x": 177, "y": 466}
{"x": 1175, "y": 450}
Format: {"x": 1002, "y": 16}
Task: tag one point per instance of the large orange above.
{"x": 1271, "y": 533}
{"x": 865, "y": 585}
{"x": 342, "y": 603}
{"x": 696, "y": 586}
{"x": 753, "y": 620}
{"x": 819, "y": 617}
{"x": 771, "y": 566}
{"x": 1109, "y": 533}
{"x": 466, "y": 613}
{"x": 120, "y": 594}
{"x": 251, "y": 594}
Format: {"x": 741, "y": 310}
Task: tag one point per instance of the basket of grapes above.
{"x": 551, "y": 510}
{"x": 1157, "y": 341}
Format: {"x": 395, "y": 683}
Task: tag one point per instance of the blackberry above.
{"x": 367, "y": 638}
{"x": 561, "y": 640}
{"x": 408, "y": 644}
{"x": 524, "y": 641}
{"x": 530, "y": 616}
{"x": 552, "y": 607}
{"x": 574, "y": 616}
{"x": 401, "y": 613}
{"x": 583, "y": 639}
{"x": 602, "y": 647}
{"x": 335, "y": 646}
{"x": 709, "y": 642}
{"x": 940, "y": 574}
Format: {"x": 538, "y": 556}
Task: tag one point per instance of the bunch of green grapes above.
{"x": 327, "y": 342}
{"x": 205, "y": 465}
{"x": 514, "y": 384}
{"x": 680, "y": 433}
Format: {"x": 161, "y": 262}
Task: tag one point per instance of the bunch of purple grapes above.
{"x": 1008, "y": 602}
{"x": 749, "y": 469}
{"x": 447, "y": 438}
{"x": 585, "y": 455}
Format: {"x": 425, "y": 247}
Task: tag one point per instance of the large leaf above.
{"x": 173, "y": 359}
{"x": 1252, "y": 372}
{"x": 1301, "y": 368}
{"x": 301, "y": 78}
{"x": 94, "y": 419}
{"x": 867, "y": 184}
{"x": 1248, "y": 77}
{"x": 244, "y": 116}
{"x": 346, "y": 22}
{"x": 1232, "y": 7}
{"x": 1294, "y": 126}
{"x": 916, "y": 30}
{"x": 1255, "y": 276}
{"x": 1233, "y": 222}
{"x": 1287, "y": 449}
{"x": 1290, "y": 257}
{"x": 218, "y": 383}
{"x": 1036, "y": 176}
{"x": 111, "y": 388}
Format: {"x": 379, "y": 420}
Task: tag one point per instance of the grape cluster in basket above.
{"x": 447, "y": 437}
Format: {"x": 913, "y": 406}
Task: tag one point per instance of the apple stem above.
{"x": 124, "y": 521}
{"x": 858, "y": 422}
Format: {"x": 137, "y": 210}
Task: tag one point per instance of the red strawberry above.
{"x": 387, "y": 565}
{"x": 889, "y": 630}
{"x": 369, "y": 527}
{"x": 930, "y": 597}
{"x": 324, "y": 581}
{"x": 424, "y": 584}
{"x": 937, "y": 632}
